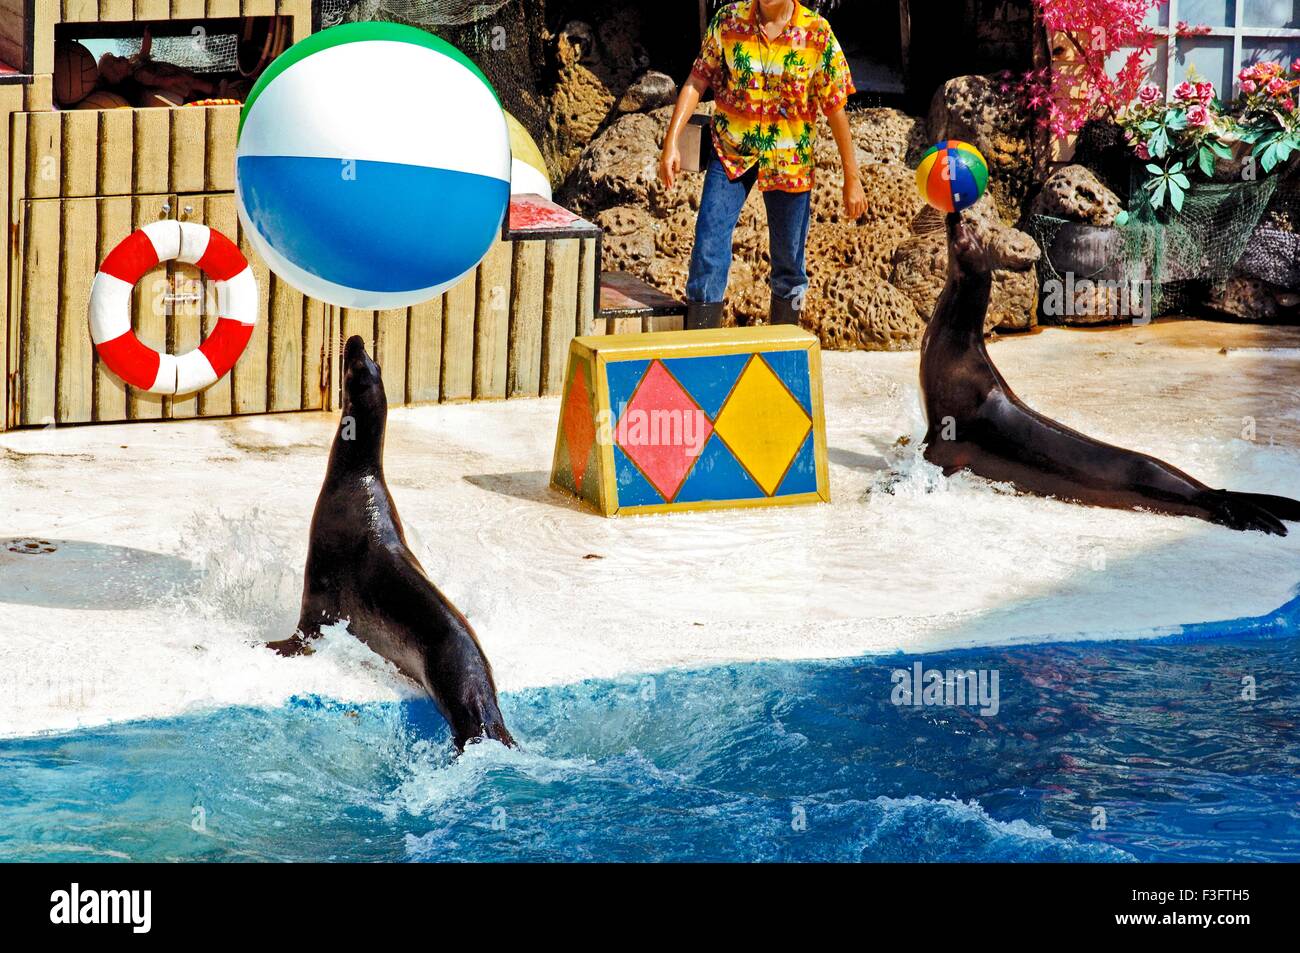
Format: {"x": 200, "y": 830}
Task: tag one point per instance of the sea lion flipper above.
{"x": 294, "y": 645}
{"x": 1283, "y": 507}
{"x": 1239, "y": 511}
{"x": 297, "y": 644}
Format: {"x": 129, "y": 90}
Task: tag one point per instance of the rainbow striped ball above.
{"x": 373, "y": 165}
{"x": 952, "y": 175}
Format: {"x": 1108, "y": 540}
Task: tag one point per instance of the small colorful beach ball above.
{"x": 952, "y": 175}
{"x": 373, "y": 165}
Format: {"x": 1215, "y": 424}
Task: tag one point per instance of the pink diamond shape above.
{"x": 579, "y": 430}
{"x": 662, "y": 430}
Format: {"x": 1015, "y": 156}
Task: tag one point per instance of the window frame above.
{"x": 1239, "y": 32}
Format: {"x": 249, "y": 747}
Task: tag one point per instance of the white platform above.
{"x": 180, "y": 545}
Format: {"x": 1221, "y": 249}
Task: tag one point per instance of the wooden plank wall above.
{"x": 60, "y": 378}
{"x": 11, "y": 99}
{"x": 88, "y": 11}
{"x": 85, "y": 152}
{"x": 81, "y": 180}
{"x": 466, "y": 344}
{"x": 483, "y": 338}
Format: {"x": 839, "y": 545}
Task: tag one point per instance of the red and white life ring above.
{"x": 110, "y": 307}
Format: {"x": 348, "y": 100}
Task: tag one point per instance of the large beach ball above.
{"x": 528, "y": 172}
{"x": 373, "y": 165}
{"x": 952, "y": 175}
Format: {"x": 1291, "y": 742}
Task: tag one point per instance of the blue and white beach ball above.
{"x": 373, "y": 165}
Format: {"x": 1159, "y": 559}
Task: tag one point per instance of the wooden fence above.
{"x": 82, "y": 180}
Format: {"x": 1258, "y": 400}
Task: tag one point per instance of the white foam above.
{"x": 180, "y": 553}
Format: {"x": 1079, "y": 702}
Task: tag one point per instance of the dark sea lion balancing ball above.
{"x": 977, "y": 423}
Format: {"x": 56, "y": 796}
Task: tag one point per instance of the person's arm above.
{"x": 855, "y": 200}
{"x": 670, "y": 160}
{"x": 707, "y": 71}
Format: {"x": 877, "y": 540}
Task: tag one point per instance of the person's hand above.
{"x": 855, "y": 200}
{"x": 670, "y": 164}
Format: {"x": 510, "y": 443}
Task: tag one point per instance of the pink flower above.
{"x": 1248, "y": 86}
{"x": 1205, "y": 92}
{"x": 1143, "y": 152}
{"x": 1198, "y": 116}
{"x": 1277, "y": 86}
{"x": 1149, "y": 94}
{"x": 1295, "y": 65}
{"x": 1289, "y": 103}
{"x": 1185, "y": 90}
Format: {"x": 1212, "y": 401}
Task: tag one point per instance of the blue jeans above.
{"x": 787, "y": 230}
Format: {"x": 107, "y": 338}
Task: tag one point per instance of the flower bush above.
{"x": 1196, "y": 129}
{"x": 1268, "y": 115}
{"x": 1191, "y": 131}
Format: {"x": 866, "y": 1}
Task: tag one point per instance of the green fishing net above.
{"x": 503, "y": 37}
{"x": 1177, "y": 257}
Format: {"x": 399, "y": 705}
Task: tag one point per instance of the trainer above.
{"x": 774, "y": 66}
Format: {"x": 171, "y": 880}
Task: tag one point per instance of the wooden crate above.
{"x": 79, "y": 181}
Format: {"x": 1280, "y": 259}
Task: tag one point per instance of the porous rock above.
{"x": 1076, "y": 194}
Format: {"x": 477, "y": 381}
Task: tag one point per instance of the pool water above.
{"x": 1098, "y": 752}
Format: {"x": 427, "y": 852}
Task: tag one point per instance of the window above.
{"x": 1241, "y": 33}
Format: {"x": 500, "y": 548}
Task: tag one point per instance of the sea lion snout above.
{"x": 965, "y": 245}
{"x": 981, "y": 248}
{"x": 358, "y": 366}
{"x": 354, "y": 353}
{"x": 363, "y": 383}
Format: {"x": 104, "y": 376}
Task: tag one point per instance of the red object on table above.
{"x": 533, "y": 213}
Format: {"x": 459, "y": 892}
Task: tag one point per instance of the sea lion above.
{"x": 976, "y": 422}
{"x": 360, "y": 570}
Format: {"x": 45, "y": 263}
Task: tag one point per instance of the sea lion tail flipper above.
{"x": 1241, "y": 511}
{"x": 1283, "y": 507}
{"x": 499, "y": 732}
{"x": 481, "y": 720}
{"x": 473, "y": 713}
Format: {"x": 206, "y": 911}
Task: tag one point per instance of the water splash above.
{"x": 248, "y": 574}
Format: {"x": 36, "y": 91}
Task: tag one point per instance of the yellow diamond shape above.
{"x": 763, "y": 425}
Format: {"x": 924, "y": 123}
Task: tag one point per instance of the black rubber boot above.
{"x": 783, "y": 311}
{"x": 700, "y": 314}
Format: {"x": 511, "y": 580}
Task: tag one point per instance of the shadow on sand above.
{"x": 531, "y": 485}
{"x": 71, "y": 574}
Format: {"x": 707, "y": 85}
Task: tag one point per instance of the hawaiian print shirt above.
{"x": 769, "y": 92}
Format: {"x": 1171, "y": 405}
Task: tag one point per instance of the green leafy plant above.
{"x": 1169, "y": 182}
{"x": 1191, "y": 131}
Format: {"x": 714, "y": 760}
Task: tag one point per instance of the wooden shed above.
{"x": 78, "y": 181}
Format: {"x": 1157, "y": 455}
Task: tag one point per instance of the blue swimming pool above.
{"x": 1097, "y": 752}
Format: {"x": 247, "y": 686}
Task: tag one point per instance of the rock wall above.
{"x": 984, "y": 111}
{"x": 872, "y": 283}
{"x": 595, "y": 65}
